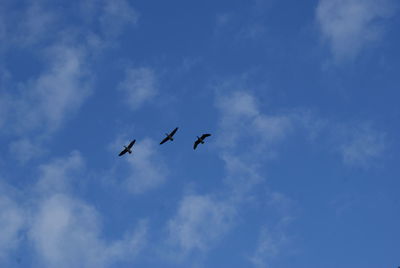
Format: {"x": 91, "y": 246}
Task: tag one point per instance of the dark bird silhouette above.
{"x": 127, "y": 148}
{"x": 200, "y": 140}
{"x": 169, "y": 136}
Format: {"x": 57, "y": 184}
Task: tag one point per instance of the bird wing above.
{"x": 173, "y": 132}
{"x": 205, "y": 136}
{"x": 131, "y": 144}
{"x": 123, "y": 152}
{"x": 195, "y": 144}
{"x": 164, "y": 140}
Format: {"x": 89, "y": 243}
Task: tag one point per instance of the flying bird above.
{"x": 127, "y": 148}
{"x": 169, "y": 136}
{"x": 200, "y": 140}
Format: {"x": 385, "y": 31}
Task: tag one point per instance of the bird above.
{"x": 200, "y": 140}
{"x": 127, "y": 148}
{"x": 169, "y": 136}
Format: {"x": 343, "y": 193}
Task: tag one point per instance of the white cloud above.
{"x": 147, "y": 171}
{"x": 242, "y": 174}
{"x": 46, "y": 102}
{"x": 24, "y": 150}
{"x": 200, "y": 222}
{"x": 63, "y": 89}
{"x": 38, "y": 22}
{"x": 238, "y": 104}
{"x": 241, "y": 118}
{"x": 65, "y": 230}
{"x": 272, "y": 128}
{"x": 66, "y": 233}
{"x": 139, "y": 86}
{"x": 358, "y": 143}
{"x": 116, "y": 14}
{"x": 269, "y": 246}
{"x": 247, "y": 25}
{"x": 243, "y": 122}
{"x": 58, "y": 175}
{"x": 12, "y": 220}
{"x": 44, "y": 22}
{"x": 349, "y": 25}
{"x": 284, "y": 206}
{"x": 362, "y": 145}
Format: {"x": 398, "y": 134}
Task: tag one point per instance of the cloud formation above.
{"x": 350, "y": 25}
{"x": 242, "y": 118}
{"x": 12, "y": 221}
{"x": 269, "y": 247}
{"x": 24, "y": 150}
{"x": 45, "y": 102}
{"x": 66, "y": 232}
{"x": 146, "y": 169}
{"x": 115, "y": 16}
{"x": 53, "y": 94}
{"x": 202, "y": 220}
{"x": 139, "y": 86}
{"x": 199, "y": 223}
{"x": 361, "y": 145}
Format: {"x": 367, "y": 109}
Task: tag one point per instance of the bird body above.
{"x": 200, "y": 140}
{"x": 169, "y": 136}
{"x": 127, "y": 148}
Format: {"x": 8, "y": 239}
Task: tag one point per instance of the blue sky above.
{"x": 301, "y": 98}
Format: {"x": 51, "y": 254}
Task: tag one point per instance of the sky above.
{"x": 301, "y": 99}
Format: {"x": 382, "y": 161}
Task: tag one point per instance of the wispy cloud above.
{"x": 116, "y": 15}
{"x": 24, "y": 150}
{"x": 350, "y": 25}
{"x": 12, "y": 219}
{"x": 63, "y": 229}
{"x": 246, "y": 25}
{"x": 55, "y": 94}
{"x": 40, "y": 105}
{"x": 143, "y": 171}
{"x": 26, "y": 26}
{"x": 38, "y": 22}
{"x": 242, "y": 118}
{"x": 58, "y": 175}
{"x": 269, "y": 247}
{"x": 45, "y": 23}
{"x": 200, "y": 221}
{"x": 361, "y": 145}
{"x": 66, "y": 233}
{"x": 139, "y": 86}
{"x": 146, "y": 172}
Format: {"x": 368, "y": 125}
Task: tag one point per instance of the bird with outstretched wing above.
{"x": 127, "y": 148}
{"x": 200, "y": 140}
{"x": 169, "y": 136}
